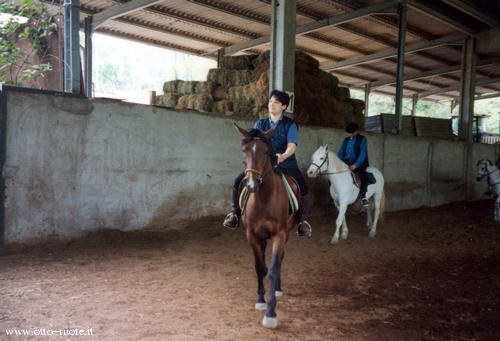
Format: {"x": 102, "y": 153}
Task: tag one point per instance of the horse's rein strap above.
{"x": 328, "y": 173}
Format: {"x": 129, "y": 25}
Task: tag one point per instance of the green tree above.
{"x": 22, "y": 37}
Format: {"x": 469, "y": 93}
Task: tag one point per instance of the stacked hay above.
{"x": 241, "y": 87}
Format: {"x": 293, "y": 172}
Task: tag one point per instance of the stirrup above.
{"x": 304, "y": 229}
{"x": 231, "y": 221}
{"x": 365, "y": 202}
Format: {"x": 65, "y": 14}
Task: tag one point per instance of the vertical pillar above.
{"x": 282, "y": 61}
{"x": 88, "y": 56}
{"x": 467, "y": 80}
{"x": 367, "y": 98}
{"x": 414, "y": 105}
{"x": 71, "y": 46}
{"x": 400, "y": 67}
{"x": 220, "y": 55}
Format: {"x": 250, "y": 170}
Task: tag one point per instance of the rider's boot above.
{"x": 232, "y": 220}
{"x": 304, "y": 229}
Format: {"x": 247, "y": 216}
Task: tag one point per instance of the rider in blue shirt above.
{"x": 353, "y": 151}
{"x": 284, "y": 142}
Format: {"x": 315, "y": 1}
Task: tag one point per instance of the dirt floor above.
{"x": 429, "y": 274}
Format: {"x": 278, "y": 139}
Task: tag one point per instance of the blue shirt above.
{"x": 350, "y": 153}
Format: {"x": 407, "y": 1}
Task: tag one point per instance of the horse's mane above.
{"x": 337, "y": 161}
{"x": 257, "y": 134}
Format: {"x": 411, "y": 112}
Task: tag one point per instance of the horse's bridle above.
{"x": 488, "y": 173}
{"x": 327, "y": 166}
{"x": 263, "y": 174}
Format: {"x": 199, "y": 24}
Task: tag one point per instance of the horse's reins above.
{"x": 327, "y": 166}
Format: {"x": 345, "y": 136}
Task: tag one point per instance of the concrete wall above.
{"x": 74, "y": 165}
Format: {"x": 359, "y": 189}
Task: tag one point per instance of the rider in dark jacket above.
{"x": 353, "y": 151}
{"x": 284, "y": 142}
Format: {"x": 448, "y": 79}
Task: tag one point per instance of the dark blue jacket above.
{"x": 279, "y": 139}
{"x": 357, "y": 150}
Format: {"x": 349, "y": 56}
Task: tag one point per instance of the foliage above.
{"x": 385, "y": 104}
{"x": 21, "y": 42}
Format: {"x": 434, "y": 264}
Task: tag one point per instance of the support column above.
{"x": 467, "y": 85}
{"x": 400, "y": 68}
{"x": 367, "y": 98}
{"x": 220, "y": 55}
{"x": 88, "y": 56}
{"x": 72, "y": 46}
{"x": 414, "y": 105}
{"x": 282, "y": 63}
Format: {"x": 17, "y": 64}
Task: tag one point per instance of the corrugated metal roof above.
{"x": 201, "y": 27}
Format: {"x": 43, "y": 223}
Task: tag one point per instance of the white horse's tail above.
{"x": 382, "y": 206}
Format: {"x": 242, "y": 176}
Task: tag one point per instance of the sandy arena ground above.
{"x": 429, "y": 274}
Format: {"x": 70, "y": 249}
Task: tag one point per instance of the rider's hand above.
{"x": 281, "y": 157}
{"x": 352, "y": 167}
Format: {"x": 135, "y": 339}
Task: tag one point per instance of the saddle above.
{"x": 357, "y": 180}
{"x": 292, "y": 189}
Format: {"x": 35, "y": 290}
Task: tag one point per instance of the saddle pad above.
{"x": 294, "y": 204}
{"x": 371, "y": 179}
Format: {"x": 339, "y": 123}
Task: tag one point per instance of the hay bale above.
{"x": 228, "y": 78}
{"x": 204, "y": 88}
{"x": 167, "y": 100}
{"x": 186, "y": 87}
{"x": 357, "y": 104}
{"x": 262, "y": 58}
{"x": 243, "y": 62}
{"x": 224, "y": 106}
{"x": 342, "y": 93}
{"x": 329, "y": 80}
{"x": 220, "y": 93}
{"x": 196, "y": 102}
{"x": 170, "y": 86}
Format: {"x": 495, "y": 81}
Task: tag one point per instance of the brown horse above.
{"x": 265, "y": 214}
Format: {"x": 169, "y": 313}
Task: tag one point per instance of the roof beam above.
{"x": 473, "y": 11}
{"x": 431, "y": 9}
{"x": 391, "y": 53}
{"x": 486, "y": 96}
{"x": 317, "y": 25}
{"x": 120, "y": 10}
{"x": 481, "y": 82}
{"x": 431, "y": 73}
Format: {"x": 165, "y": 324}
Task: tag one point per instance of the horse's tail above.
{"x": 382, "y": 206}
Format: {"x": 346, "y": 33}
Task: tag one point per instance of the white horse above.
{"x": 343, "y": 190}
{"x": 487, "y": 168}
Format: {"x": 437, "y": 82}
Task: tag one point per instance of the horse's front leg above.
{"x": 340, "y": 220}
{"x": 259, "y": 251}
{"x": 271, "y": 319}
{"x": 345, "y": 231}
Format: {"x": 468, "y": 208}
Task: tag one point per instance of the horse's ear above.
{"x": 242, "y": 131}
{"x": 326, "y": 147}
{"x": 268, "y": 134}
{"x": 491, "y": 163}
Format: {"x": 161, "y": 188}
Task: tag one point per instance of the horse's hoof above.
{"x": 334, "y": 241}
{"x": 278, "y": 293}
{"x": 371, "y": 234}
{"x": 260, "y": 306}
{"x": 270, "y": 322}
{"x": 344, "y": 236}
